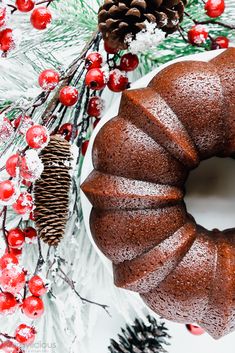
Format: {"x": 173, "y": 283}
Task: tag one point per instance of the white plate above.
{"x": 211, "y": 200}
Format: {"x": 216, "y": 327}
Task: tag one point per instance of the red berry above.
{"x": 48, "y": 79}
{"x": 25, "y": 334}
{"x": 30, "y": 233}
{"x": 109, "y": 49}
{"x": 33, "y": 307}
{"x": 96, "y": 79}
{"x": 23, "y": 123}
{"x": 214, "y": 8}
{"x": 37, "y": 286}
{"x": 16, "y": 238}
{"x": 15, "y": 252}
{"x": 31, "y": 216}
{"x": 220, "y": 43}
{"x": 195, "y": 330}
{"x": 3, "y": 13}
{"x": 12, "y": 279}
{"x": 95, "y": 106}
{"x": 84, "y": 147}
{"x": 25, "y": 5}
{"x": 12, "y": 164}
{"x": 24, "y": 203}
{"x": 68, "y": 96}
{"x": 8, "y": 303}
{"x": 93, "y": 60}
{"x": 7, "y": 190}
{"x": 9, "y": 347}
{"x": 37, "y": 136}
{"x": 66, "y": 130}
{"x": 129, "y": 62}
{"x": 8, "y": 259}
{"x": 198, "y": 34}
{"x": 41, "y": 17}
{"x": 6, "y": 40}
{"x": 118, "y": 81}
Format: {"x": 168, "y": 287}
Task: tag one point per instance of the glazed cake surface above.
{"x": 141, "y": 160}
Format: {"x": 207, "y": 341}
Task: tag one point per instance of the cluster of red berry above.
{"x": 40, "y": 18}
{"x": 198, "y": 34}
{"x": 23, "y": 167}
{"x": 18, "y": 292}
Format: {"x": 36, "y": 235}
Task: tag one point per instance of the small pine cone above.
{"x": 51, "y": 191}
{"x": 121, "y": 19}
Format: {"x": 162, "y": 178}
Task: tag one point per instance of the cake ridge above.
{"x": 176, "y": 245}
{"x": 112, "y": 192}
{"x": 151, "y": 113}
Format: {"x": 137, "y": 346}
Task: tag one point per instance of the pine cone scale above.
{"x": 121, "y": 19}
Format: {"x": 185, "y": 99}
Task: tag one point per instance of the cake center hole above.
{"x": 210, "y": 193}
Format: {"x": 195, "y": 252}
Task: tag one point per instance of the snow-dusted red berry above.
{"x": 25, "y": 5}
{"x": 12, "y": 164}
{"x": 30, "y": 233}
{"x": 214, "y": 8}
{"x": 8, "y": 259}
{"x": 12, "y": 279}
{"x": 16, "y": 238}
{"x": 31, "y": 166}
{"x": 37, "y": 286}
{"x": 23, "y": 204}
{"x": 48, "y": 79}
{"x": 66, "y": 130}
{"x": 25, "y": 334}
{"x": 84, "y": 147}
{"x": 96, "y": 79}
{"x": 33, "y": 307}
{"x": 7, "y": 42}
{"x": 6, "y": 130}
{"x": 8, "y": 303}
{"x": 118, "y": 81}
{"x": 95, "y": 106}
{"x": 68, "y": 96}
{"x": 23, "y": 123}
{"x": 7, "y": 190}
{"x": 195, "y": 330}
{"x": 41, "y": 17}
{"x": 9, "y": 347}
{"x": 37, "y": 136}
{"x": 129, "y": 62}
{"x": 198, "y": 35}
{"x": 93, "y": 60}
{"x": 3, "y": 13}
{"x": 220, "y": 43}
{"x": 109, "y": 49}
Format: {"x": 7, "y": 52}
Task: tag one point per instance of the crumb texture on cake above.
{"x": 142, "y": 159}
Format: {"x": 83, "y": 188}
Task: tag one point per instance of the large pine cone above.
{"x": 118, "y": 19}
{"x": 51, "y": 191}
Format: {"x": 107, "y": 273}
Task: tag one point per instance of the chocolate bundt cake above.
{"x": 142, "y": 159}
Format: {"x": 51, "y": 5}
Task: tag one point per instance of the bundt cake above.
{"x": 141, "y": 160}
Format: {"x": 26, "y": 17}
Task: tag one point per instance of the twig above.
{"x": 71, "y": 283}
{"x": 41, "y": 260}
{"x": 4, "y": 231}
{"x": 5, "y": 335}
{"x": 213, "y": 22}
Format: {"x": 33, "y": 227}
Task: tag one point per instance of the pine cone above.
{"x": 119, "y": 19}
{"x": 51, "y": 191}
{"x": 141, "y": 338}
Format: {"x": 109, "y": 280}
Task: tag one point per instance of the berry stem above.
{"x": 5, "y": 335}
{"x": 71, "y": 283}
{"x": 4, "y": 231}
{"x": 214, "y": 22}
